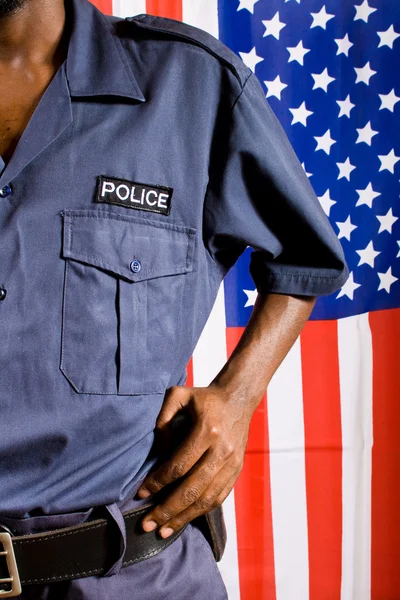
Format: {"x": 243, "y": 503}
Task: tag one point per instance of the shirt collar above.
{"x": 96, "y": 63}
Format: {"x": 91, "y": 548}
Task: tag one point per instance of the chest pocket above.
{"x": 124, "y": 284}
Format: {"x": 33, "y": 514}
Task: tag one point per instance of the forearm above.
{"x": 275, "y": 323}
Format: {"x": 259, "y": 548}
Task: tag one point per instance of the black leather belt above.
{"x": 89, "y": 549}
{"x": 71, "y": 552}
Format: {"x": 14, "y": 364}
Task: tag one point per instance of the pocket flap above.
{"x": 113, "y": 241}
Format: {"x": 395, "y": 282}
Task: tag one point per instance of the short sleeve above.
{"x": 258, "y": 195}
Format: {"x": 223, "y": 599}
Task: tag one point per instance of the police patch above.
{"x": 141, "y": 196}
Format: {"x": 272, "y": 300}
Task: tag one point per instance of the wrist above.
{"x": 238, "y": 391}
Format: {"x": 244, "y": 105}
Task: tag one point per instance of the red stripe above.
{"x": 189, "y": 370}
{"x": 385, "y": 532}
{"x": 165, "y": 8}
{"x": 323, "y": 443}
{"x": 104, "y": 5}
{"x": 253, "y": 507}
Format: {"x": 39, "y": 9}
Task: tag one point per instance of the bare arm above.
{"x": 207, "y": 463}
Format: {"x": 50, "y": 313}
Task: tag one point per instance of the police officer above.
{"x": 139, "y": 158}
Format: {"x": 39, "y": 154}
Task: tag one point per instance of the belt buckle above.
{"x": 8, "y": 552}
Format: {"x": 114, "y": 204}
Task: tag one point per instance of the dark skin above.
{"x": 205, "y": 466}
{"x": 207, "y": 463}
{"x": 32, "y": 47}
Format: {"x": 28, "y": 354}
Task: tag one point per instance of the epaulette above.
{"x": 196, "y": 36}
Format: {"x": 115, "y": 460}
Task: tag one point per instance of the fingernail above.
{"x": 143, "y": 493}
{"x": 166, "y": 532}
{"x": 149, "y": 525}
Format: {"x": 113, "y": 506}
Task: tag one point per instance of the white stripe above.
{"x": 202, "y": 14}
{"x": 209, "y": 357}
{"x": 128, "y": 8}
{"x": 210, "y": 353}
{"x": 288, "y": 478}
{"x": 355, "y": 367}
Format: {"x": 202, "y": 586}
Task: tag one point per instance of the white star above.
{"x": 326, "y": 202}
{"x": 386, "y": 221}
{"x": 366, "y": 196}
{"x": 249, "y": 4}
{"x": 300, "y": 114}
{"x": 324, "y": 142}
{"x": 345, "y": 107}
{"x": 273, "y": 26}
{"x": 275, "y": 87}
{"x": 363, "y": 11}
{"x": 297, "y": 53}
{"x": 322, "y": 80}
{"x": 251, "y": 297}
{"x": 364, "y": 74}
{"x": 251, "y": 59}
{"x": 365, "y": 134}
{"x": 387, "y": 279}
{"x": 349, "y": 287}
{"x": 345, "y": 228}
{"x": 388, "y": 37}
{"x": 368, "y": 255}
{"x": 344, "y": 45}
{"x": 388, "y": 161}
{"x": 398, "y": 254}
{"x": 321, "y": 18}
{"x": 388, "y": 100}
{"x": 345, "y": 169}
{"x": 304, "y": 167}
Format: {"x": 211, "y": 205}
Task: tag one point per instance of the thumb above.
{"x": 171, "y": 420}
{"x": 176, "y": 399}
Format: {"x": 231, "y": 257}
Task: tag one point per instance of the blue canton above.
{"x": 330, "y": 73}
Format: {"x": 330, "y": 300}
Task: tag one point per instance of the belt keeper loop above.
{"x": 117, "y": 517}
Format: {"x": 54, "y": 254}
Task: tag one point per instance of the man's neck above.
{"x": 33, "y": 34}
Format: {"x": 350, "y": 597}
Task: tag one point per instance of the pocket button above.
{"x": 5, "y": 191}
{"x": 135, "y": 266}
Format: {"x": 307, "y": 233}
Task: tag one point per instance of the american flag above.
{"x": 315, "y": 514}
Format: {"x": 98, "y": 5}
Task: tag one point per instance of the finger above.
{"x": 214, "y": 496}
{"x": 182, "y": 460}
{"x": 189, "y": 491}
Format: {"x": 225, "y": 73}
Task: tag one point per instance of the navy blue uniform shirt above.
{"x": 151, "y": 162}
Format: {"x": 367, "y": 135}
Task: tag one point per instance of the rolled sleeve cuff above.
{"x": 303, "y": 282}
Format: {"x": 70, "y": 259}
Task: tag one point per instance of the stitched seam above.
{"x": 190, "y": 231}
{"x": 60, "y": 535}
{"x": 155, "y": 551}
{"x": 191, "y": 40}
{"x": 243, "y": 88}
{"x": 304, "y": 276}
{"x": 119, "y": 270}
{"x": 214, "y": 260}
{"x": 61, "y": 577}
{"x": 122, "y": 56}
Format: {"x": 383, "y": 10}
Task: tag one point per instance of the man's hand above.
{"x": 208, "y": 461}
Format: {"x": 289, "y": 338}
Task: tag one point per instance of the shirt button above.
{"x": 5, "y": 191}
{"x": 135, "y": 266}
{"x": 3, "y": 293}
